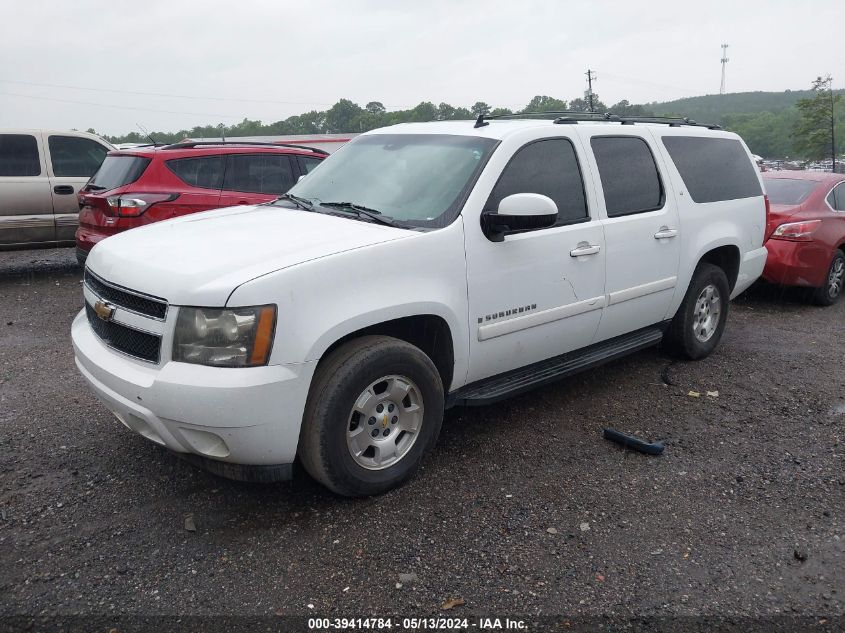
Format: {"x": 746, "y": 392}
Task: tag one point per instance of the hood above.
{"x": 200, "y": 259}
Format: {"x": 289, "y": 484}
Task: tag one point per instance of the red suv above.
{"x": 138, "y": 186}
{"x": 807, "y": 232}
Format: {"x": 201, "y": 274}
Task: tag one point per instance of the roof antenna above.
{"x": 480, "y": 122}
{"x": 146, "y": 133}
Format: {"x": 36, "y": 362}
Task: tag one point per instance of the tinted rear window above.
{"x": 19, "y": 155}
{"x": 628, "y": 174}
{"x": 788, "y": 191}
{"x": 205, "y": 172}
{"x": 117, "y": 171}
{"x": 713, "y": 169}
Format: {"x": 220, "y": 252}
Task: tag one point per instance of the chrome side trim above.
{"x": 493, "y": 330}
{"x": 642, "y": 290}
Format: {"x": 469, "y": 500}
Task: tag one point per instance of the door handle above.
{"x": 665, "y": 233}
{"x": 584, "y": 248}
{"x": 63, "y": 190}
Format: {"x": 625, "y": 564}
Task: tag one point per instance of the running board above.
{"x": 524, "y": 379}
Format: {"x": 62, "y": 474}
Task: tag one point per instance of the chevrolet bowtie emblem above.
{"x": 104, "y": 310}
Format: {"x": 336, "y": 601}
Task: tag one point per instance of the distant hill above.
{"x": 711, "y": 108}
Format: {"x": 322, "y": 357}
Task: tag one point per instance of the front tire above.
{"x": 374, "y": 409}
{"x": 699, "y": 323}
{"x": 829, "y": 293}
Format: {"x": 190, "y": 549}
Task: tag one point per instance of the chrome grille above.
{"x": 125, "y": 339}
{"x": 147, "y": 305}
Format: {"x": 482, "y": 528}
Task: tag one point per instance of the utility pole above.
{"x": 591, "y": 77}
{"x": 725, "y": 60}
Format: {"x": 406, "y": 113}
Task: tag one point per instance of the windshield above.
{"x": 117, "y": 171}
{"x": 418, "y": 179}
{"x": 788, "y": 191}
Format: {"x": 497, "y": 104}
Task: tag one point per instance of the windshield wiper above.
{"x": 362, "y": 211}
{"x": 90, "y": 187}
{"x": 302, "y": 203}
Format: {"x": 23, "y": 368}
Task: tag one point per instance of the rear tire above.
{"x": 699, "y": 323}
{"x": 374, "y": 409}
{"x": 830, "y": 292}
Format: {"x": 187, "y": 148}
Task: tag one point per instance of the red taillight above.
{"x": 131, "y": 205}
{"x": 796, "y": 231}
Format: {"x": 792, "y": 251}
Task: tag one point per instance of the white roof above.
{"x": 502, "y": 128}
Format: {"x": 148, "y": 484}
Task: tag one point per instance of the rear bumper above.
{"x": 750, "y": 269}
{"x": 796, "y": 263}
{"x": 88, "y": 236}
{"x": 246, "y": 416}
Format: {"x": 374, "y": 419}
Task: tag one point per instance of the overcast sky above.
{"x": 97, "y": 63}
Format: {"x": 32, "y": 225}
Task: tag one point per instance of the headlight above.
{"x": 224, "y": 337}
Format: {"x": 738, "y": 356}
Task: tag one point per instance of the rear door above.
{"x": 257, "y": 178}
{"x": 641, "y": 229}
{"x": 203, "y": 179}
{"x": 26, "y": 207}
{"x": 71, "y": 161}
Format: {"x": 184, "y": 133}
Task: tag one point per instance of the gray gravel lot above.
{"x": 522, "y": 509}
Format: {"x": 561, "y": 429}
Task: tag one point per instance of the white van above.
{"x": 41, "y": 172}
{"x": 420, "y": 266}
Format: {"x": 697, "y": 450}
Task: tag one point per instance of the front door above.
{"x": 71, "y": 161}
{"x": 641, "y": 229}
{"x": 539, "y": 293}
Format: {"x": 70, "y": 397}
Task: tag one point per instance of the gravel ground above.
{"x": 522, "y": 509}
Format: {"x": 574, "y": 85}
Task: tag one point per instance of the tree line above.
{"x": 795, "y": 128}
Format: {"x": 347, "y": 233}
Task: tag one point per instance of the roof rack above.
{"x": 192, "y": 144}
{"x": 570, "y": 116}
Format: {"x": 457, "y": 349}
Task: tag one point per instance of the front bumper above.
{"x": 750, "y": 269}
{"x": 796, "y": 263}
{"x": 247, "y": 416}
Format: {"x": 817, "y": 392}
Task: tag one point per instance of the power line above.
{"x": 117, "y": 107}
{"x": 160, "y": 94}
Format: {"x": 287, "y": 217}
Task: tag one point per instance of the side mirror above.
{"x": 519, "y": 212}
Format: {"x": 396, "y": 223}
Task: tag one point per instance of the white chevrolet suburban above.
{"x": 421, "y": 266}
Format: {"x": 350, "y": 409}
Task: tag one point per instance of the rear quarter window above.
{"x": 118, "y": 171}
{"x": 205, "y": 172}
{"x": 713, "y": 169}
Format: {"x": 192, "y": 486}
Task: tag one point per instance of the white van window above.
{"x": 19, "y": 155}
{"x": 714, "y": 169}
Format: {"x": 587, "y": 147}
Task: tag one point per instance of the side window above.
{"x": 258, "y": 173}
{"x": 836, "y": 198}
{"x": 549, "y": 167}
{"x": 307, "y": 163}
{"x": 205, "y": 172}
{"x": 714, "y": 169}
{"x": 75, "y": 156}
{"x": 628, "y": 175}
{"x": 19, "y": 155}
